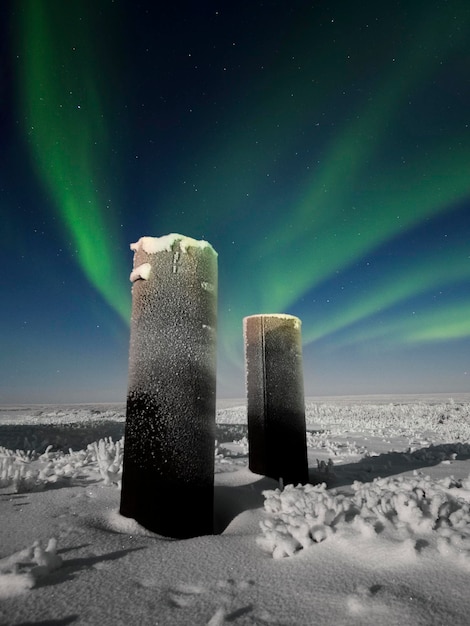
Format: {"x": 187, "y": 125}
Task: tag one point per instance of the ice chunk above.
{"x": 141, "y": 271}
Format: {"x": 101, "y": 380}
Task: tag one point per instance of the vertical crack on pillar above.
{"x": 264, "y": 373}
{"x": 176, "y": 258}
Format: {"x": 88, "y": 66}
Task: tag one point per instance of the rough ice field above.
{"x": 382, "y": 535}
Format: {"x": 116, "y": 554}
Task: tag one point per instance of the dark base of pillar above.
{"x": 277, "y": 448}
{"x": 180, "y": 512}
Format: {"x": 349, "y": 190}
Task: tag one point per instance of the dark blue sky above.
{"x": 322, "y": 148}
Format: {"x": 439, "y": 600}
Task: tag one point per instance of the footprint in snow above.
{"x": 228, "y": 599}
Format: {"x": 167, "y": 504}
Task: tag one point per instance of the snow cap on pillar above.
{"x": 166, "y": 243}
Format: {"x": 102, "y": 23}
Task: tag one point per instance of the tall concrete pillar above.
{"x": 275, "y": 397}
{"x": 168, "y": 466}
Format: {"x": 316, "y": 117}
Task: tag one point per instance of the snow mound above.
{"x": 20, "y": 571}
{"x": 407, "y": 509}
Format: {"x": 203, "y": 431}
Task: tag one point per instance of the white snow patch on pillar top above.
{"x": 152, "y": 245}
{"x": 283, "y": 316}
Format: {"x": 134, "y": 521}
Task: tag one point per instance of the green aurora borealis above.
{"x": 326, "y": 158}
{"x": 65, "y": 124}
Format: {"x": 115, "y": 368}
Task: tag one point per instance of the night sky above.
{"x": 322, "y": 148}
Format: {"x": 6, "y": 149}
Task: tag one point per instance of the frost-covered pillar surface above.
{"x": 275, "y": 395}
{"x": 168, "y": 468}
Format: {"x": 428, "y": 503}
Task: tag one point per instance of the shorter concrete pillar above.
{"x": 168, "y": 466}
{"x": 275, "y": 396}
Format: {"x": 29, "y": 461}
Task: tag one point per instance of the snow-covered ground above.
{"x": 381, "y": 536}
